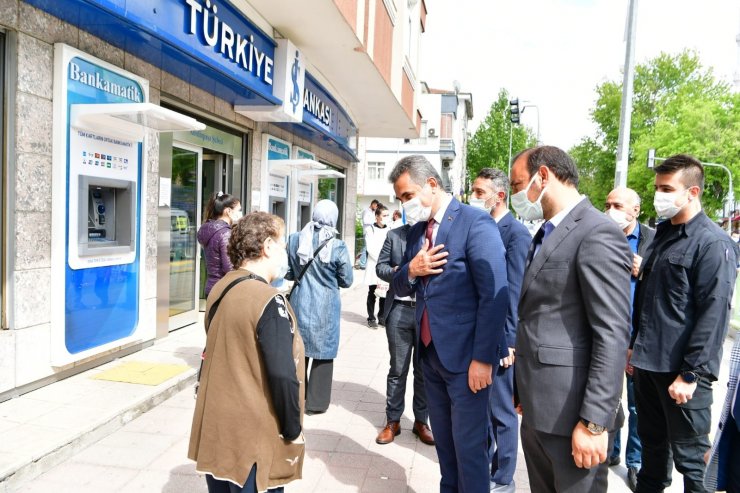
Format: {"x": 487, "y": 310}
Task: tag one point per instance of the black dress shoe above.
{"x": 614, "y": 461}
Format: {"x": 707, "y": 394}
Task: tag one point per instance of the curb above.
{"x": 11, "y": 480}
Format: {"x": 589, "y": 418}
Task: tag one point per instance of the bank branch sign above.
{"x": 214, "y": 25}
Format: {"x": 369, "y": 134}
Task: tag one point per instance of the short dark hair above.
{"x": 498, "y": 178}
{"x": 379, "y": 210}
{"x": 419, "y": 169}
{"x": 556, "y": 160}
{"x": 692, "y": 170}
{"x": 375, "y": 201}
{"x": 248, "y": 235}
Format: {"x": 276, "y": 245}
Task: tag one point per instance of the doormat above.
{"x": 141, "y": 372}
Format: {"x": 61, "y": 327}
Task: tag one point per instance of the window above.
{"x": 423, "y": 132}
{"x": 375, "y": 170}
{"x": 445, "y": 128}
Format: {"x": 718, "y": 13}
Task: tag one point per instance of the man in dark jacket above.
{"x": 681, "y": 313}
{"x": 400, "y": 327}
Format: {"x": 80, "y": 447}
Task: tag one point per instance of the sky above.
{"x": 555, "y": 52}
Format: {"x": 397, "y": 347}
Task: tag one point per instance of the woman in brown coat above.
{"x": 247, "y": 428}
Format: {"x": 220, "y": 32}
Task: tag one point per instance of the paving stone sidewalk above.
{"x": 148, "y": 454}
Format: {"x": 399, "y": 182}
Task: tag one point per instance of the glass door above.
{"x": 184, "y": 221}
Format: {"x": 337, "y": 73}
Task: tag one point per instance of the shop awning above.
{"x": 304, "y": 167}
{"x": 130, "y": 120}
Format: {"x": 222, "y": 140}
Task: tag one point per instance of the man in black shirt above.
{"x": 680, "y": 320}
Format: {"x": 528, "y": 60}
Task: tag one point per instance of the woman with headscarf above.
{"x": 315, "y": 299}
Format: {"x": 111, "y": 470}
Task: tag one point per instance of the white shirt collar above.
{"x": 502, "y": 216}
{"x": 558, "y": 218}
{"x": 440, "y": 215}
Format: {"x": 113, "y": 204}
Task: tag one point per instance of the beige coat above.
{"x": 235, "y": 425}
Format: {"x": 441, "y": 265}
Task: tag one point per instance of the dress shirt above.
{"x": 440, "y": 215}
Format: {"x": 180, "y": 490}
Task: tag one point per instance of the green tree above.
{"x": 489, "y": 146}
{"x": 678, "y": 107}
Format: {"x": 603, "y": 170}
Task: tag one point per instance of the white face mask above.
{"x": 281, "y": 264}
{"x": 529, "y": 211}
{"x": 416, "y": 212}
{"x": 619, "y": 217}
{"x": 235, "y": 215}
{"x": 665, "y": 204}
{"x": 479, "y": 204}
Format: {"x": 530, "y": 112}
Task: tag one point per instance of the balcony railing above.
{"x": 447, "y": 147}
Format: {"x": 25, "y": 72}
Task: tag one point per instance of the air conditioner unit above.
{"x": 432, "y": 132}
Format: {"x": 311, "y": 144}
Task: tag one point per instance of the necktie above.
{"x": 426, "y": 332}
{"x": 542, "y": 233}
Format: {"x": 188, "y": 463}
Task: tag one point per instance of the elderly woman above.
{"x": 315, "y": 298}
{"x": 247, "y": 427}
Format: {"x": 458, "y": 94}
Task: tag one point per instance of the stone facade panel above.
{"x": 143, "y": 69}
{"x": 46, "y": 27}
{"x": 33, "y": 125}
{"x": 202, "y": 99}
{"x": 9, "y": 13}
{"x": 33, "y": 240}
{"x": 33, "y": 183}
{"x": 175, "y": 87}
{"x": 32, "y": 297}
{"x": 35, "y": 66}
{"x": 98, "y": 48}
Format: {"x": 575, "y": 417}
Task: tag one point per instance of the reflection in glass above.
{"x": 184, "y": 223}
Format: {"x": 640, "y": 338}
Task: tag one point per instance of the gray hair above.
{"x": 499, "y": 180}
{"x": 634, "y": 196}
{"x": 419, "y": 169}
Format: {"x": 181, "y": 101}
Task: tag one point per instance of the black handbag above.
{"x": 305, "y": 267}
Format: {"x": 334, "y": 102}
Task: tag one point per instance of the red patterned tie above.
{"x": 426, "y": 332}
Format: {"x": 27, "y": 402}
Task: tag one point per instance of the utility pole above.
{"x": 625, "y": 120}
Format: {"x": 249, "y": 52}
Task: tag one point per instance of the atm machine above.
{"x": 101, "y": 118}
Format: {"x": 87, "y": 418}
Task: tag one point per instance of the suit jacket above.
{"x": 574, "y": 322}
{"x": 466, "y": 303}
{"x": 715, "y": 477}
{"x": 391, "y": 256}
{"x": 516, "y": 240}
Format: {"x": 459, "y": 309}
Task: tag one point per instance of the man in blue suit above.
{"x": 489, "y": 192}
{"x": 455, "y": 265}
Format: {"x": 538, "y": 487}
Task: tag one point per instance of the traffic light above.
{"x": 514, "y": 110}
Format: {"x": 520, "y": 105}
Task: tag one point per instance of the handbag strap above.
{"x": 214, "y": 307}
{"x": 310, "y": 261}
{"x": 207, "y": 322}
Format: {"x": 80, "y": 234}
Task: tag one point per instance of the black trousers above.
{"x": 671, "y": 433}
{"x": 318, "y": 384}
{"x": 371, "y": 304}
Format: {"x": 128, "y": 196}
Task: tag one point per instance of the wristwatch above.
{"x": 689, "y": 376}
{"x": 592, "y": 427}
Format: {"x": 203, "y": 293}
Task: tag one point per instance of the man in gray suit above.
{"x": 573, "y": 326}
{"x": 400, "y": 327}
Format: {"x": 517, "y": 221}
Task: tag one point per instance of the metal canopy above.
{"x": 130, "y": 120}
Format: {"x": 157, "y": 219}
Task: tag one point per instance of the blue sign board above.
{"x": 277, "y": 150}
{"x": 188, "y": 38}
